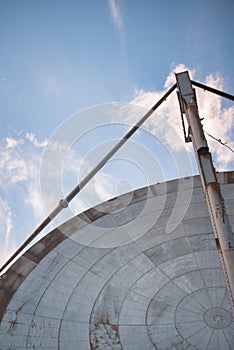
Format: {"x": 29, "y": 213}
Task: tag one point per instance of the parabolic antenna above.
{"x": 150, "y": 289}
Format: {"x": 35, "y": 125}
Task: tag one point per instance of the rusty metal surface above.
{"x": 158, "y": 291}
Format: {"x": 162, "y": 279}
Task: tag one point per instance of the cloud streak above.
{"x": 116, "y": 14}
{"x": 6, "y": 240}
{"x": 20, "y": 190}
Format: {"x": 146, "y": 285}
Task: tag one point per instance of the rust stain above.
{"x": 104, "y": 333}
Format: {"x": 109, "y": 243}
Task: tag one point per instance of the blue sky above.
{"x": 59, "y": 58}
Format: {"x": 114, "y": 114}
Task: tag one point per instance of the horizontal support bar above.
{"x": 213, "y": 90}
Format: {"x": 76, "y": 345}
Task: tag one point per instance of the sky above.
{"x": 76, "y": 75}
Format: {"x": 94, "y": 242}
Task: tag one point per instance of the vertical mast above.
{"x": 220, "y": 222}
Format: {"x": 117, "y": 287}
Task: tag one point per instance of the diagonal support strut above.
{"x": 63, "y": 203}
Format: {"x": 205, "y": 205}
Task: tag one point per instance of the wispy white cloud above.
{"x": 20, "y": 191}
{"x": 53, "y": 87}
{"x": 116, "y": 14}
{"x": 11, "y": 142}
{"x": 218, "y": 121}
{"x": 22, "y": 188}
{"x": 13, "y": 168}
{"x": 50, "y": 83}
{"x": 19, "y": 158}
{"x": 7, "y": 242}
{"x": 33, "y": 139}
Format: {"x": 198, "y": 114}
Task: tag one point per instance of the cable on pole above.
{"x": 220, "y": 141}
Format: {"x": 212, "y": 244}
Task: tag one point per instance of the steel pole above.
{"x": 220, "y": 221}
